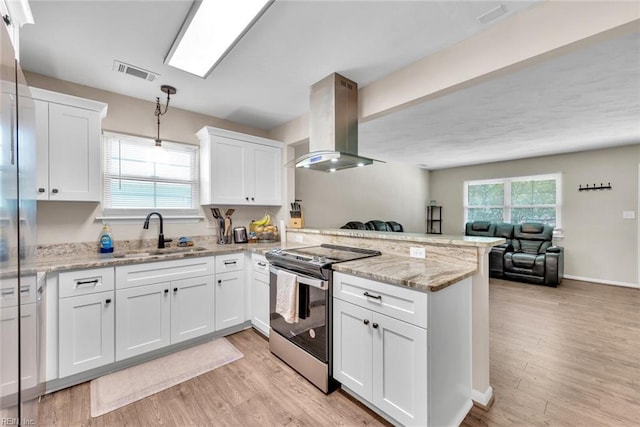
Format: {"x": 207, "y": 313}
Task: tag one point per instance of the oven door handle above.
{"x": 304, "y": 279}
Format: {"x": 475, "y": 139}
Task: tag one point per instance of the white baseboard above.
{"x": 604, "y": 282}
{"x": 482, "y": 398}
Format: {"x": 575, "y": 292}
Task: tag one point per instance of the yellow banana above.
{"x": 265, "y": 220}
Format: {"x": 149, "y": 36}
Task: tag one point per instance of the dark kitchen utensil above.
{"x": 229, "y": 212}
{"x": 217, "y": 215}
{"x": 227, "y": 229}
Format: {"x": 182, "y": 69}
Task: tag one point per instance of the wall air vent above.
{"x": 132, "y": 70}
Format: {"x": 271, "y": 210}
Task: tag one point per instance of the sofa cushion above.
{"x": 395, "y": 226}
{"x": 523, "y": 263}
{"x": 504, "y": 230}
{"x": 480, "y": 228}
{"x": 480, "y": 225}
{"x": 530, "y": 246}
{"x": 354, "y": 225}
{"x": 377, "y": 225}
{"x": 532, "y": 227}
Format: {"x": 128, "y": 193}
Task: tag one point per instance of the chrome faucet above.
{"x": 161, "y": 239}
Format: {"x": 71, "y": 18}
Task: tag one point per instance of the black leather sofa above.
{"x": 528, "y": 254}
{"x": 374, "y": 224}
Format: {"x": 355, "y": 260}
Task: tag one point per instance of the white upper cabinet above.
{"x": 68, "y": 146}
{"x": 239, "y": 169}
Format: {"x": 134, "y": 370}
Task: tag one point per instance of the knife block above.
{"x": 297, "y": 222}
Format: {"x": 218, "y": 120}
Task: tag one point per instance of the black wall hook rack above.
{"x": 601, "y": 187}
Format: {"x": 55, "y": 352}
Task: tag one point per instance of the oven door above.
{"x": 311, "y": 332}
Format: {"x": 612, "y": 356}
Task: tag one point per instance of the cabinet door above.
{"x": 229, "y": 299}
{"x": 42, "y": 149}
{"x": 400, "y": 369}
{"x": 228, "y": 171}
{"x": 143, "y": 319}
{"x": 264, "y": 168}
{"x": 352, "y": 341}
{"x": 260, "y": 302}
{"x": 191, "y": 308}
{"x": 74, "y": 154}
{"x": 9, "y": 360}
{"x": 86, "y": 337}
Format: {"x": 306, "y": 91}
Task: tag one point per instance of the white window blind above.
{"x": 138, "y": 176}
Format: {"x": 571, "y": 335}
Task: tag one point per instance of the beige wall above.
{"x": 384, "y": 191}
{"x": 599, "y": 243}
{"x": 63, "y": 222}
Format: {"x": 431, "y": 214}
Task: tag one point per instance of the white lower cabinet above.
{"x": 143, "y": 319}
{"x": 191, "y": 308}
{"x": 383, "y": 360}
{"x": 229, "y": 299}
{"x": 260, "y": 293}
{"x": 86, "y": 310}
{"x": 384, "y": 354}
{"x": 28, "y": 342}
{"x": 150, "y": 316}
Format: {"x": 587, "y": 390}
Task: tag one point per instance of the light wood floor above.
{"x": 563, "y": 356}
{"x": 559, "y": 356}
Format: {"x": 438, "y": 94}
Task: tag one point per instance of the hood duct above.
{"x": 333, "y": 126}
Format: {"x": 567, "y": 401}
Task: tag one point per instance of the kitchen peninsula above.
{"x": 453, "y": 258}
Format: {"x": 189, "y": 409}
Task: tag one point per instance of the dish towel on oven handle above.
{"x": 287, "y": 296}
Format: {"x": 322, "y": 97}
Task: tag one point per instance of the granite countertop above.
{"x": 439, "y": 239}
{"x": 419, "y": 274}
{"x": 96, "y": 260}
{"x": 426, "y": 275}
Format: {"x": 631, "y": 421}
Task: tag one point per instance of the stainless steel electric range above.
{"x": 305, "y": 345}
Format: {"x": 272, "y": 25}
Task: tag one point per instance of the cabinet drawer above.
{"x": 229, "y": 262}
{"x": 128, "y": 276}
{"x": 9, "y": 291}
{"x": 84, "y": 282}
{"x": 394, "y": 301}
{"x": 260, "y": 264}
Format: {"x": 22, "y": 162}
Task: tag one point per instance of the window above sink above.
{"x": 138, "y": 177}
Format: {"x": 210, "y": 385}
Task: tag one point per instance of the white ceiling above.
{"x": 586, "y": 99}
{"x": 264, "y": 81}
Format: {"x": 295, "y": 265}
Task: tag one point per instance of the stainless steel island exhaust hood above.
{"x": 333, "y": 126}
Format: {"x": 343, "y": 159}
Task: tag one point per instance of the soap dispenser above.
{"x": 106, "y": 242}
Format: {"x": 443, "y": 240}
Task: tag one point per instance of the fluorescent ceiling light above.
{"x": 211, "y": 29}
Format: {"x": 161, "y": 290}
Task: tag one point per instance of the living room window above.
{"x": 515, "y": 200}
{"x": 139, "y": 177}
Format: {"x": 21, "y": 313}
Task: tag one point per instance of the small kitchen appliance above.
{"x": 240, "y": 235}
{"x": 307, "y": 344}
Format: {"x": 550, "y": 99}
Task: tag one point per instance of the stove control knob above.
{"x": 315, "y": 258}
{"x": 322, "y": 259}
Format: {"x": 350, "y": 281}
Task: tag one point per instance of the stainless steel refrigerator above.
{"x": 21, "y": 294}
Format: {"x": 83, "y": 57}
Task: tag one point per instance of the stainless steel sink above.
{"x": 141, "y": 253}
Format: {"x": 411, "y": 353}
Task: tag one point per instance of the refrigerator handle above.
{"x": 13, "y": 134}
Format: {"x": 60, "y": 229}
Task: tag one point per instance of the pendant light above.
{"x": 169, "y": 90}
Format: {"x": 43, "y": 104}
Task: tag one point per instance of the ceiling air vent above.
{"x": 134, "y": 71}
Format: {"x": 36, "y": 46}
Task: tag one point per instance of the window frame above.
{"x": 508, "y": 205}
{"x": 193, "y": 214}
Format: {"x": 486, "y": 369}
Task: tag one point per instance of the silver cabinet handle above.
{"x": 54, "y": 191}
{"x": 7, "y": 291}
{"x": 262, "y": 264}
{"x": 230, "y": 262}
{"x": 41, "y": 190}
